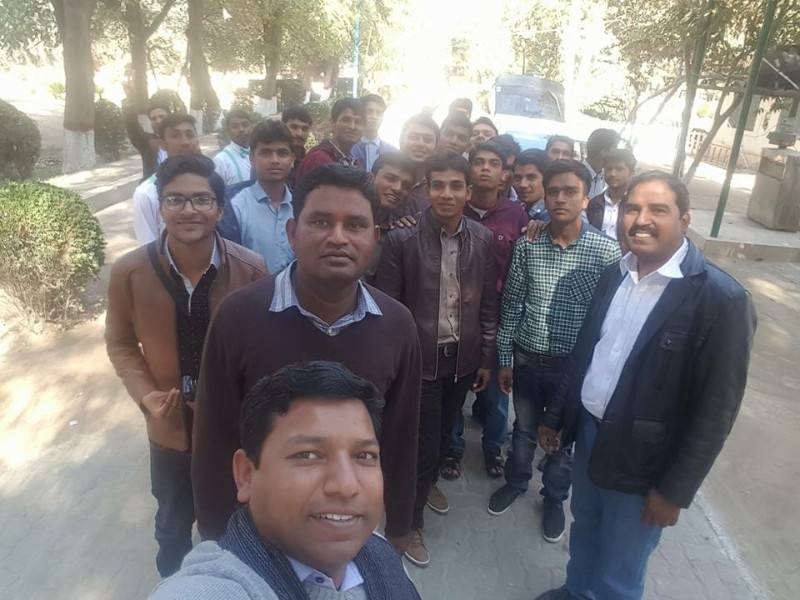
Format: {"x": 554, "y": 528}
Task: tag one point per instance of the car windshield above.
{"x": 528, "y": 102}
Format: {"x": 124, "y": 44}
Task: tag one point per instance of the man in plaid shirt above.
{"x": 550, "y": 283}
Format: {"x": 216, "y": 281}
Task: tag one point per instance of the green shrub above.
{"x": 608, "y": 108}
{"x": 319, "y": 111}
{"x": 51, "y": 245}
{"x": 20, "y": 143}
{"x": 290, "y": 92}
{"x": 243, "y": 98}
{"x": 109, "y": 130}
{"x": 169, "y": 98}
{"x": 57, "y": 90}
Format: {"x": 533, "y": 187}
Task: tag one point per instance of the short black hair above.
{"x": 196, "y": 164}
{"x": 422, "y": 120}
{"x": 448, "y": 160}
{"x": 373, "y": 98}
{"x": 173, "y": 120}
{"x": 272, "y": 396}
{"x": 336, "y": 175}
{"x": 458, "y": 121}
{"x": 297, "y": 112}
{"x": 152, "y": 105}
{"x": 342, "y": 104}
{"x": 486, "y": 121}
{"x": 675, "y": 184}
{"x": 559, "y": 167}
{"x": 461, "y": 103}
{"x": 237, "y": 113}
{"x": 620, "y": 155}
{"x": 599, "y": 140}
{"x": 489, "y": 146}
{"x": 393, "y": 159}
{"x": 554, "y": 139}
{"x": 269, "y": 131}
{"x": 534, "y": 156}
{"x": 509, "y": 145}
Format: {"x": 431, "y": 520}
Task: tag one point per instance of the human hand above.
{"x": 404, "y": 222}
{"x": 533, "y": 229}
{"x": 505, "y": 379}
{"x": 548, "y": 439}
{"x": 658, "y": 511}
{"x": 481, "y": 380}
{"x": 162, "y": 404}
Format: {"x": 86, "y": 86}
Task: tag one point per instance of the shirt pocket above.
{"x": 581, "y": 286}
{"x": 672, "y": 344}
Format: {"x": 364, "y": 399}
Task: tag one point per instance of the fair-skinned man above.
{"x": 233, "y": 161}
{"x": 177, "y": 135}
{"x": 371, "y": 146}
{"x": 347, "y": 125}
{"x": 603, "y": 210}
{"x": 547, "y": 292}
{"x": 259, "y": 213}
{"x": 656, "y": 381}
{"x": 418, "y": 141}
{"x": 560, "y": 147}
{"x": 315, "y": 309}
{"x": 442, "y": 269}
{"x": 455, "y": 135}
{"x": 308, "y": 472}
{"x": 160, "y": 300}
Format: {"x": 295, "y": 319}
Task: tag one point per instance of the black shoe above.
{"x": 553, "y": 523}
{"x": 561, "y": 593}
{"x": 502, "y": 499}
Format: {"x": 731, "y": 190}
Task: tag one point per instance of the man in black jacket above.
{"x": 656, "y": 381}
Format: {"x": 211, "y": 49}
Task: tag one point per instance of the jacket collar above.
{"x": 431, "y": 225}
{"x": 222, "y": 249}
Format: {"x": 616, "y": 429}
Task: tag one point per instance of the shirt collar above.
{"x": 261, "y": 195}
{"x": 629, "y": 265}
{"x": 375, "y": 142}
{"x": 352, "y": 576}
{"x": 458, "y": 232}
{"x": 584, "y": 228}
{"x": 215, "y": 258}
{"x": 243, "y": 152}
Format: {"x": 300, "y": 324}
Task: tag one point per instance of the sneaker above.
{"x": 416, "y": 551}
{"x": 502, "y": 499}
{"x": 437, "y": 501}
{"x": 561, "y": 593}
{"x": 553, "y": 522}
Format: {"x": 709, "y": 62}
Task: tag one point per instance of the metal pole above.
{"x": 761, "y": 46}
{"x": 355, "y": 51}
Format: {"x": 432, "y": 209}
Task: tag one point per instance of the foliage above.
{"x": 109, "y": 130}
{"x": 27, "y": 30}
{"x": 20, "y": 143}
{"x": 290, "y": 93}
{"x": 169, "y": 98}
{"x": 243, "y": 98}
{"x": 608, "y": 108}
{"x": 535, "y": 28}
{"x": 319, "y": 111}
{"x": 57, "y": 90}
{"x": 50, "y": 247}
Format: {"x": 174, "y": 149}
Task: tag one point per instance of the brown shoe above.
{"x": 437, "y": 501}
{"x": 416, "y": 551}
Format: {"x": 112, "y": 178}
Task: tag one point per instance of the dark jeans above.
{"x": 171, "y": 485}
{"x": 440, "y": 402}
{"x": 494, "y": 410}
{"x": 534, "y": 384}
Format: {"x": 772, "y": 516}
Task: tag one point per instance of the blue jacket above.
{"x": 359, "y": 151}
{"x": 679, "y": 391}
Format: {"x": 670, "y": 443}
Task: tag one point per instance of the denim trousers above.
{"x": 494, "y": 409}
{"x": 534, "y": 384}
{"x": 171, "y": 485}
{"x": 609, "y": 545}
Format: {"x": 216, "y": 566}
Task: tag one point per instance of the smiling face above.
{"x": 317, "y": 493}
{"x": 448, "y": 192}
{"x": 529, "y": 183}
{"x": 393, "y": 185}
{"x": 347, "y": 129}
{"x": 652, "y": 223}
{"x": 189, "y": 225}
{"x": 335, "y": 236}
{"x": 418, "y": 143}
{"x": 565, "y": 198}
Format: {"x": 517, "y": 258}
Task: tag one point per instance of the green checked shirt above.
{"x": 548, "y": 290}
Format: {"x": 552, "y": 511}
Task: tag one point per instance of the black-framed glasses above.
{"x": 200, "y": 202}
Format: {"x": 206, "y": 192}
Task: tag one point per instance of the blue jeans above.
{"x": 495, "y": 412}
{"x": 609, "y": 546}
{"x": 171, "y": 485}
{"x": 533, "y": 386}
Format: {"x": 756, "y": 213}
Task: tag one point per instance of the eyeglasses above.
{"x": 202, "y": 202}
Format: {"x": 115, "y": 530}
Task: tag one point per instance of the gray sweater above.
{"x": 211, "y": 573}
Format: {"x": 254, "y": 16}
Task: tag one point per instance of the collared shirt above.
{"x": 370, "y": 151}
{"x": 162, "y": 156}
{"x": 306, "y": 574}
{"x": 632, "y": 304}
{"x": 538, "y": 211}
{"x": 547, "y": 293}
{"x": 610, "y": 216}
{"x": 147, "y": 221}
{"x": 449, "y": 286}
{"x": 215, "y": 262}
{"x": 286, "y": 298}
{"x": 598, "y": 181}
{"x": 233, "y": 164}
{"x": 262, "y": 227}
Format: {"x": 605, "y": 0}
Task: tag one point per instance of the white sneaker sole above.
{"x": 554, "y": 540}
{"x": 437, "y": 510}
{"x": 415, "y": 562}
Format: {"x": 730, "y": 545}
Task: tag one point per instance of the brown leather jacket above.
{"x": 141, "y": 334}
{"x": 410, "y": 271}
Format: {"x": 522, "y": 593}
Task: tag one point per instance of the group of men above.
{"x": 297, "y": 322}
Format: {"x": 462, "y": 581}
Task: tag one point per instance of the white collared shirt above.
{"x": 233, "y": 164}
{"x": 215, "y": 260}
{"x": 352, "y": 576}
{"x": 370, "y": 151}
{"x": 632, "y": 304}
{"x": 147, "y": 221}
{"x": 610, "y": 215}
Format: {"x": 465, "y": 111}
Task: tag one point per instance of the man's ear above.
{"x": 291, "y": 230}
{"x": 469, "y": 193}
{"x": 243, "y": 469}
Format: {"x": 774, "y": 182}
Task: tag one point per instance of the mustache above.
{"x": 648, "y": 230}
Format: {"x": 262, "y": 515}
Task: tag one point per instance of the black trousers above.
{"x": 440, "y": 403}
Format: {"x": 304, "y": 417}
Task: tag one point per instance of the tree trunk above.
{"x": 203, "y": 97}
{"x": 73, "y": 18}
{"x": 273, "y": 32}
{"x": 138, "y": 44}
{"x": 719, "y": 121}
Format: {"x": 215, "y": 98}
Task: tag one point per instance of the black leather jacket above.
{"x": 681, "y": 387}
{"x": 410, "y": 271}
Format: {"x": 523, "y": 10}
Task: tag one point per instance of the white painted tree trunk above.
{"x": 78, "y": 150}
{"x": 198, "y": 115}
{"x": 267, "y": 107}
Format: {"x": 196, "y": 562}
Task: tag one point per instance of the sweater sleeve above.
{"x": 400, "y": 430}
{"x": 216, "y": 427}
{"x": 312, "y": 160}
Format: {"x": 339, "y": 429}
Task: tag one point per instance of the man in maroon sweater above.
{"x": 315, "y": 309}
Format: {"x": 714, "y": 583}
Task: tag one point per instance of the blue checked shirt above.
{"x": 286, "y": 298}
{"x": 547, "y": 292}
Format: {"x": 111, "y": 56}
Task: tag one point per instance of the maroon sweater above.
{"x": 246, "y": 341}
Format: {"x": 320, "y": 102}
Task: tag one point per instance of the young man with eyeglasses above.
{"x": 160, "y": 300}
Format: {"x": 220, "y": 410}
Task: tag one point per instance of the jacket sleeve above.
{"x": 389, "y": 277}
{"x": 400, "y": 431}
{"x": 312, "y": 160}
{"x": 122, "y": 344}
{"x": 216, "y": 430}
{"x": 716, "y": 394}
{"x": 488, "y": 311}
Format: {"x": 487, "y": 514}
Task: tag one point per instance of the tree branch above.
{"x": 151, "y": 29}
